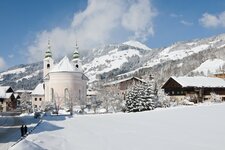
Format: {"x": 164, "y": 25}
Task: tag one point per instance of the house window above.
{"x": 39, "y": 99}
{"x": 35, "y": 99}
{"x": 48, "y": 66}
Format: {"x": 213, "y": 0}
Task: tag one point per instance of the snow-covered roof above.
{"x": 3, "y": 90}
{"x": 200, "y": 81}
{"x": 122, "y": 80}
{"x": 65, "y": 65}
{"x": 16, "y": 95}
{"x": 39, "y": 90}
{"x": 23, "y": 91}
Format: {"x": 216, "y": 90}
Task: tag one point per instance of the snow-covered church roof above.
{"x": 39, "y": 90}
{"x": 65, "y": 65}
{"x": 200, "y": 81}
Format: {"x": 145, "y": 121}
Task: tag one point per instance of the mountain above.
{"x": 115, "y": 61}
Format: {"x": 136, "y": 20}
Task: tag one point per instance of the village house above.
{"x": 197, "y": 88}
{"x": 8, "y": 102}
{"x": 38, "y": 97}
{"x": 122, "y": 86}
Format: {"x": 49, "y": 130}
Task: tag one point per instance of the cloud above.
{"x": 186, "y": 23}
{"x": 11, "y": 56}
{"x": 100, "y": 23}
{"x": 2, "y": 63}
{"x": 212, "y": 21}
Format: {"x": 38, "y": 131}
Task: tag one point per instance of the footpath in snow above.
{"x": 181, "y": 128}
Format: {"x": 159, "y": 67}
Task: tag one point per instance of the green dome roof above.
{"x": 48, "y": 53}
{"x": 76, "y": 54}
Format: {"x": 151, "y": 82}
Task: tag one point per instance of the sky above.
{"x": 26, "y": 25}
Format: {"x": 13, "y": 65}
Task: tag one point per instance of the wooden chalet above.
{"x": 198, "y": 88}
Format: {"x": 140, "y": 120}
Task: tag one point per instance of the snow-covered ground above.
{"x": 10, "y": 128}
{"x": 181, "y": 128}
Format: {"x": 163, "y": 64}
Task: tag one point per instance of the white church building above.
{"x": 64, "y": 82}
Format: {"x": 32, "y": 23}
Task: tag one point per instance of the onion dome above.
{"x": 76, "y": 53}
{"x": 48, "y": 53}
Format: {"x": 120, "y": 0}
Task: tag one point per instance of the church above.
{"x": 65, "y": 82}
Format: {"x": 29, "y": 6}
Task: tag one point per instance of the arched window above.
{"x": 77, "y": 65}
{"x": 66, "y": 96}
{"x": 79, "y": 95}
{"x": 52, "y": 95}
{"x": 48, "y": 66}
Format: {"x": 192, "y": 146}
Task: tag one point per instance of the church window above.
{"x": 48, "y": 66}
{"x": 77, "y": 65}
{"x": 79, "y": 95}
{"x": 52, "y": 94}
{"x": 66, "y": 95}
{"x": 39, "y": 99}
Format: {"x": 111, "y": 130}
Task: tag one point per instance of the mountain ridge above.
{"x": 115, "y": 61}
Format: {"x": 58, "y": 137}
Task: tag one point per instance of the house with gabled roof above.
{"x": 8, "y": 101}
{"x": 199, "y": 88}
{"x": 123, "y": 85}
{"x": 38, "y": 97}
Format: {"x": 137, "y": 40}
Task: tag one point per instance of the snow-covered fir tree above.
{"x": 141, "y": 98}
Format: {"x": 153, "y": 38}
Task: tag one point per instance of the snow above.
{"x": 136, "y": 44}
{"x": 64, "y": 65}
{"x": 39, "y": 90}
{"x": 115, "y": 59}
{"x": 200, "y": 81}
{"x": 122, "y": 80}
{"x": 175, "y": 52}
{"x": 211, "y": 65}
{"x": 186, "y": 128}
{"x": 14, "y": 71}
{"x": 29, "y": 76}
{"x": 3, "y": 90}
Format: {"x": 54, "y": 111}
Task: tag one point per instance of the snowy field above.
{"x": 182, "y": 128}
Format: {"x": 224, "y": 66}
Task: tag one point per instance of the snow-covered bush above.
{"x": 141, "y": 98}
{"x": 187, "y": 101}
{"x": 215, "y": 98}
{"x": 163, "y": 99}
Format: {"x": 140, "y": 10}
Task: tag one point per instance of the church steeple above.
{"x": 48, "y": 61}
{"x": 76, "y": 54}
{"x": 48, "y": 53}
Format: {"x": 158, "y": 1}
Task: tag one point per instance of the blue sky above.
{"x": 26, "y": 25}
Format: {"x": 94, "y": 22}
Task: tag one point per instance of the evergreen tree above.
{"x": 141, "y": 98}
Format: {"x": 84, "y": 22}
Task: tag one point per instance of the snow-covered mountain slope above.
{"x": 136, "y": 44}
{"x": 181, "y": 50}
{"x": 210, "y": 66}
{"x": 113, "y": 57}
